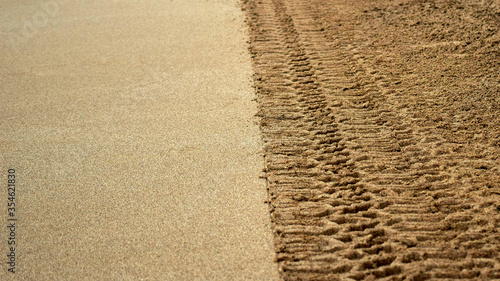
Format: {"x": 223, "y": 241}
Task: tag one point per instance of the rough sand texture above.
{"x": 129, "y": 124}
{"x": 381, "y": 123}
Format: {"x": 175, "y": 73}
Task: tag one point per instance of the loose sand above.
{"x": 381, "y": 129}
{"x": 129, "y": 125}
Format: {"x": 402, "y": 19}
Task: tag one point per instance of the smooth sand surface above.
{"x": 130, "y": 127}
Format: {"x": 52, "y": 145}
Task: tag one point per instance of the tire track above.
{"x": 358, "y": 189}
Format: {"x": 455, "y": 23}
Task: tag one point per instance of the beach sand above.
{"x": 130, "y": 126}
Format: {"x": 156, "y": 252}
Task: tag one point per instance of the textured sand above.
{"x": 129, "y": 124}
{"x": 381, "y": 129}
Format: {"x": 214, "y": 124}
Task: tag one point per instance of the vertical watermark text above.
{"x": 11, "y": 220}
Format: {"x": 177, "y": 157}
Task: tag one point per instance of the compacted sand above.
{"x": 130, "y": 127}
